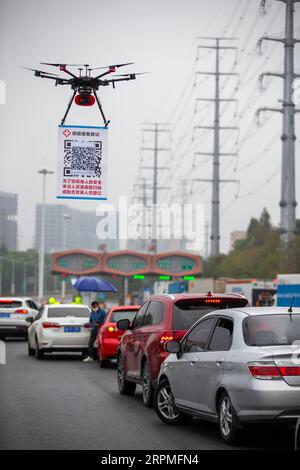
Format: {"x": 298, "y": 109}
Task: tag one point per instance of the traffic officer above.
{"x": 97, "y": 319}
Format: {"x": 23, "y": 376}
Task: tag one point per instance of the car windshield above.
{"x": 123, "y": 314}
{"x": 271, "y": 330}
{"x": 187, "y": 311}
{"x": 10, "y": 304}
{"x": 78, "y": 312}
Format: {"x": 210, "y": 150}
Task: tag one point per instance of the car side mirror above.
{"x": 173, "y": 347}
{"x": 29, "y": 319}
{"x": 123, "y": 324}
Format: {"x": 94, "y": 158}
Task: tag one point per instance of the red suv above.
{"x": 109, "y": 336}
{"x": 162, "y": 318}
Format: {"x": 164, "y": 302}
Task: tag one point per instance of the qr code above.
{"x": 82, "y": 158}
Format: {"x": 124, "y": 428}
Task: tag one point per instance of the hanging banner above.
{"x": 82, "y": 162}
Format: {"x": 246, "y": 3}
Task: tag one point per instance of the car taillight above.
{"x": 265, "y": 371}
{"x": 108, "y": 329}
{"x": 46, "y": 324}
{"x": 166, "y": 338}
{"x": 289, "y": 371}
{"x": 21, "y": 310}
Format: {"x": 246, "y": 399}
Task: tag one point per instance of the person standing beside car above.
{"x": 97, "y": 319}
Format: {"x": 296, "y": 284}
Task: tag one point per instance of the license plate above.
{"x": 4, "y": 315}
{"x": 72, "y": 329}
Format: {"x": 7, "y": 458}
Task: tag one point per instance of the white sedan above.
{"x": 59, "y": 328}
{"x": 14, "y": 313}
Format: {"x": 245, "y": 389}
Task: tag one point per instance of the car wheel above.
{"x": 39, "y": 354}
{"x": 229, "y": 425}
{"x": 125, "y": 387}
{"x": 147, "y": 387}
{"x": 30, "y": 349}
{"x": 165, "y": 407}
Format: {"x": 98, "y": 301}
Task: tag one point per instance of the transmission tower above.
{"x": 288, "y": 197}
{"x": 215, "y": 215}
{"x": 156, "y": 129}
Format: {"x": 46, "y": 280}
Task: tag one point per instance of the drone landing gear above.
{"x": 100, "y": 109}
{"x": 68, "y": 108}
{"x": 106, "y": 122}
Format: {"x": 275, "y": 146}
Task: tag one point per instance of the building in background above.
{"x": 235, "y": 236}
{"x": 68, "y": 228}
{"x": 8, "y": 221}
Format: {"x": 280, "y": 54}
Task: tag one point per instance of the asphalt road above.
{"x": 63, "y": 403}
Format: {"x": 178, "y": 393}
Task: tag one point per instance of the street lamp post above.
{"x": 13, "y": 277}
{"x": 24, "y": 278}
{"x": 63, "y": 282}
{"x": 44, "y": 172}
{"x": 1, "y": 276}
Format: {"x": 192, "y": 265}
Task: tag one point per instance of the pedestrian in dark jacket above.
{"x": 97, "y": 319}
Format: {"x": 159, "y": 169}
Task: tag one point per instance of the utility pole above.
{"x": 184, "y": 201}
{"x": 206, "y": 238}
{"x": 143, "y": 198}
{"x": 288, "y": 195}
{"x": 43, "y": 172}
{"x": 215, "y": 209}
{"x": 156, "y": 128}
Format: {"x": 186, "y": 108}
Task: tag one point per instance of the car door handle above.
{"x": 192, "y": 363}
{"x": 219, "y": 363}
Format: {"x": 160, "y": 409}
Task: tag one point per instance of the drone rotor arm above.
{"x": 62, "y": 68}
{"x": 102, "y": 75}
{"x": 125, "y": 79}
{"x": 63, "y": 81}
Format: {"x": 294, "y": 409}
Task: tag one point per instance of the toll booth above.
{"x": 135, "y": 271}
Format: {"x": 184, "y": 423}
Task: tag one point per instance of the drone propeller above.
{"x": 64, "y": 65}
{"x": 39, "y": 71}
{"x": 113, "y": 66}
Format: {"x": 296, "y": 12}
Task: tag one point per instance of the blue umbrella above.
{"x": 93, "y": 284}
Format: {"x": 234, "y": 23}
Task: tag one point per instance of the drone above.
{"x": 84, "y": 85}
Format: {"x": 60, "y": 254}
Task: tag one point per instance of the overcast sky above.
{"x": 160, "y": 37}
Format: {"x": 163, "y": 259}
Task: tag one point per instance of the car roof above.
{"x": 66, "y": 305}
{"x": 251, "y": 311}
{"x": 201, "y": 295}
{"x": 19, "y": 299}
{"x": 125, "y": 307}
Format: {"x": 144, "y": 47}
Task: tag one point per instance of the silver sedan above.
{"x": 233, "y": 367}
